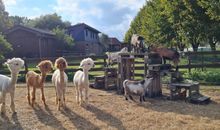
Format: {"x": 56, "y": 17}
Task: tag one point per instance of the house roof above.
{"x": 114, "y": 41}
{"x": 30, "y": 29}
{"x": 85, "y": 26}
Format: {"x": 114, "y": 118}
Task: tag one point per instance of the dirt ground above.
{"x": 107, "y": 110}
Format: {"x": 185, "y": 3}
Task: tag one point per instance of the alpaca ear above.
{"x": 81, "y": 65}
{"x": 7, "y": 62}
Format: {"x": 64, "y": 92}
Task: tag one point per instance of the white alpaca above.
{"x": 114, "y": 56}
{"x": 7, "y": 84}
{"x": 81, "y": 80}
{"x": 60, "y": 79}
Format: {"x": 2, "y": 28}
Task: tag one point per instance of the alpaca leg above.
{"x": 28, "y": 94}
{"x": 86, "y": 95}
{"x": 81, "y": 95}
{"x": 33, "y": 96}
{"x": 64, "y": 100}
{"x": 56, "y": 99}
{"x": 3, "y": 110}
{"x": 12, "y": 106}
{"x": 77, "y": 94}
{"x": 58, "y": 107}
{"x": 42, "y": 96}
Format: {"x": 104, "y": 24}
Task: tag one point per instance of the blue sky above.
{"x": 111, "y": 17}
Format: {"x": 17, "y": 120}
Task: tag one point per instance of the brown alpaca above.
{"x": 37, "y": 81}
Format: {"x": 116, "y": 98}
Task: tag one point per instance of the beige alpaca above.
{"x": 37, "y": 81}
{"x": 60, "y": 79}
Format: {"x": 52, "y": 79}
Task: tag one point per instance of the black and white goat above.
{"x": 136, "y": 88}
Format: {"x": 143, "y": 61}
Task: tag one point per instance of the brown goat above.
{"x": 166, "y": 53}
{"x": 37, "y": 81}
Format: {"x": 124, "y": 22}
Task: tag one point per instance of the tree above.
{"x": 104, "y": 40}
{"x": 4, "y": 20}
{"x": 50, "y": 22}
{"x": 17, "y": 20}
{"x": 5, "y": 47}
{"x": 212, "y": 25}
{"x": 66, "y": 40}
{"x": 178, "y": 23}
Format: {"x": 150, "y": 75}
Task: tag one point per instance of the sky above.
{"x": 111, "y": 17}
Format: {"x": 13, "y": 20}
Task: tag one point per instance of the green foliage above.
{"x": 178, "y": 23}
{"x": 208, "y": 77}
{"x": 104, "y": 40}
{"x": 50, "y": 22}
{"x": 5, "y": 47}
{"x": 63, "y": 37}
{"x": 4, "y": 20}
{"x": 17, "y": 20}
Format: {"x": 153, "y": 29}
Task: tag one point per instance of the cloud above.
{"x": 9, "y": 2}
{"x": 112, "y": 17}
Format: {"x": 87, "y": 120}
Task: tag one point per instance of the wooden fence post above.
{"x": 189, "y": 64}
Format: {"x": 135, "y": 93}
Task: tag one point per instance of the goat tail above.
{"x": 124, "y": 83}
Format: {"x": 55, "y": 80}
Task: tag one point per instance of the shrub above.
{"x": 207, "y": 77}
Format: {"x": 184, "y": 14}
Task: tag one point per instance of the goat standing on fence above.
{"x": 137, "y": 43}
{"x": 136, "y": 88}
{"x": 166, "y": 53}
{"x": 114, "y": 56}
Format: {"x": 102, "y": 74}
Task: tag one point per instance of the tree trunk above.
{"x": 181, "y": 46}
{"x": 213, "y": 46}
{"x": 195, "y": 46}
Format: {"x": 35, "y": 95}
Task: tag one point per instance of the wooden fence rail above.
{"x": 102, "y": 61}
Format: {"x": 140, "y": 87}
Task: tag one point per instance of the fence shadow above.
{"x": 47, "y": 117}
{"x": 78, "y": 121}
{"x": 106, "y": 117}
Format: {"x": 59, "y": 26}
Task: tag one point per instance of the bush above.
{"x": 207, "y": 77}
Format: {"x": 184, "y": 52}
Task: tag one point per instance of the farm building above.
{"x": 31, "y": 42}
{"x": 86, "y": 39}
{"x": 114, "y": 45}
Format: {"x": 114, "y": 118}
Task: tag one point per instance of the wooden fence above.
{"x": 209, "y": 59}
{"x": 194, "y": 60}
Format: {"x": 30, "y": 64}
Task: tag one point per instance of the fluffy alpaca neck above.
{"x": 86, "y": 75}
{"x": 61, "y": 76}
{"x": 14, "y": 78}
{"x": 42, "y": 78}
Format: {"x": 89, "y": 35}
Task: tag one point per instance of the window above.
{"x": 86, "y": 32}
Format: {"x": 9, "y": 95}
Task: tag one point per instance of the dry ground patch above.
{"x": 107, "y": 110}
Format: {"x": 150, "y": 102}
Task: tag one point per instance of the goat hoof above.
{"x": 14, "y": 113}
